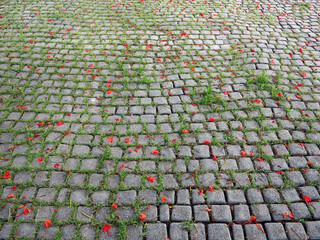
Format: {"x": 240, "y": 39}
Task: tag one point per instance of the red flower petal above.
{"x": 150, "y": 179}
{"x": 211, "y": 119}
{"x": 106, "y": 228}
{"x": 306, "y": 198}
{"x": 142, "y": 216}
{"x": 155, "y": 151}
{"x": 47, "y": 223}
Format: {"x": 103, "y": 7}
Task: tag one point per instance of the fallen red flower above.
{"x": 155, "y": 151}
{"x": 6, "y": 175}
{"x": 106, "y": 228}
{"x": 47, "y": 223}
{"x": 306, "y": 198}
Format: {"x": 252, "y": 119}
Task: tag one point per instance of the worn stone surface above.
{"x": 161, "y": 119}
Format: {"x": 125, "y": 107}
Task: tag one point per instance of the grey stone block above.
{"x": 221, "y": 213}
{"x": 261, "y": 212}
{"x": 275, "y": 231}
{"x": 295, "y": 231}
{"x": 235, "y": 197}
{"x": 178, "y": 231}
{"x": 181, "y": 213}
{"x": 255, "y": 233}
{"x": 156, "y": 231}
{"x": 300, "y": 211}
{"x": 241, "y": 213}
{"x": 313, "y": 229}
{"x": 218, "y": 231}
{"x": 134, "y": 232}
{"x": 126, "y": 197}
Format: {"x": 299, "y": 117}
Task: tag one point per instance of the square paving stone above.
{"x": 100, "y": 197}
{"x": 169, "y": 181}
{"x": 241, "y": 213}
{"x": 164, "y": 213}
{"x": 296, "y": 178}
{"x": 134, "y": 232}
{"x": 277, "y": 211}
{"x": 156, "y": 231}
{"x": 81, "y": 150}
{"x": 125, "y": 213}
{"x": 83, "y": 213}
{"x": 313, "y": 229}
{"x": 178, "y": 231}
{"x": 237, "y": 231}
{"x": 296, "y": 231}
{"x": 181, "y": 213}
{"x": 300, "y": 211}
{"x": 198, "y": 231}
{"x": 57, "y": 178}
{"x": 126, "y": 197}
{"x": 197, "y": 197}
{"x": 27, "y": 194}
{"x": 290, "y": 195}
{"x": 255, "y": 233}
{"x": 236, "y": 197}
{"x": 271, "y": 195}
{"x": 89, "y": 164}
{"x": 310, "y": 191}
{"x": 46, "y": 194}
{"x": 275, "y": 231}
{"x": 5, "y": 230}
{"x": 183, "y": 197}
{"x": 151, "y": 213}
{"x": 206, "y": 179}
{"x": 77, "y": 179}
{"x": 261, "y": 212}
{"x": 201, "y": 151}
{"x": 68, "y": 231}
{"x": 95, "y": 179}
{"x": 87, "y": 232}
{"x": 169, "y": 195}
{"x": 315, "y": 206}
{"x": 101, "y": 214}
{"x": 22, "y": 177}
{"x": 26, "y": 230}
{"x": 221, "y": 213}
{"x": 79, "y": 196}
{"x": 64, "y": 213}
{"x": 47, "y": 233}
{"x": 201, "y": 213}
{"x": 149, "y": 196}
{"x": 132, "y": 180}
{"x": 44, "y": 212}
{"x": 215, "y": 197}
{"x": 40, "y": 178}
{"x": 218, "y": 231}
{"x": 299, "y": 162}
{"x": 254, "y": 195}
{"x": 5, "y": 211}
{"x": 62, "y": 196}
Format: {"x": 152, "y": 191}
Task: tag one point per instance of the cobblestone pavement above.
{"x": 160, "y": 120}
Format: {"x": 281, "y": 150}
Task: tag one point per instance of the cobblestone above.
{"x": 159, "y": 119}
